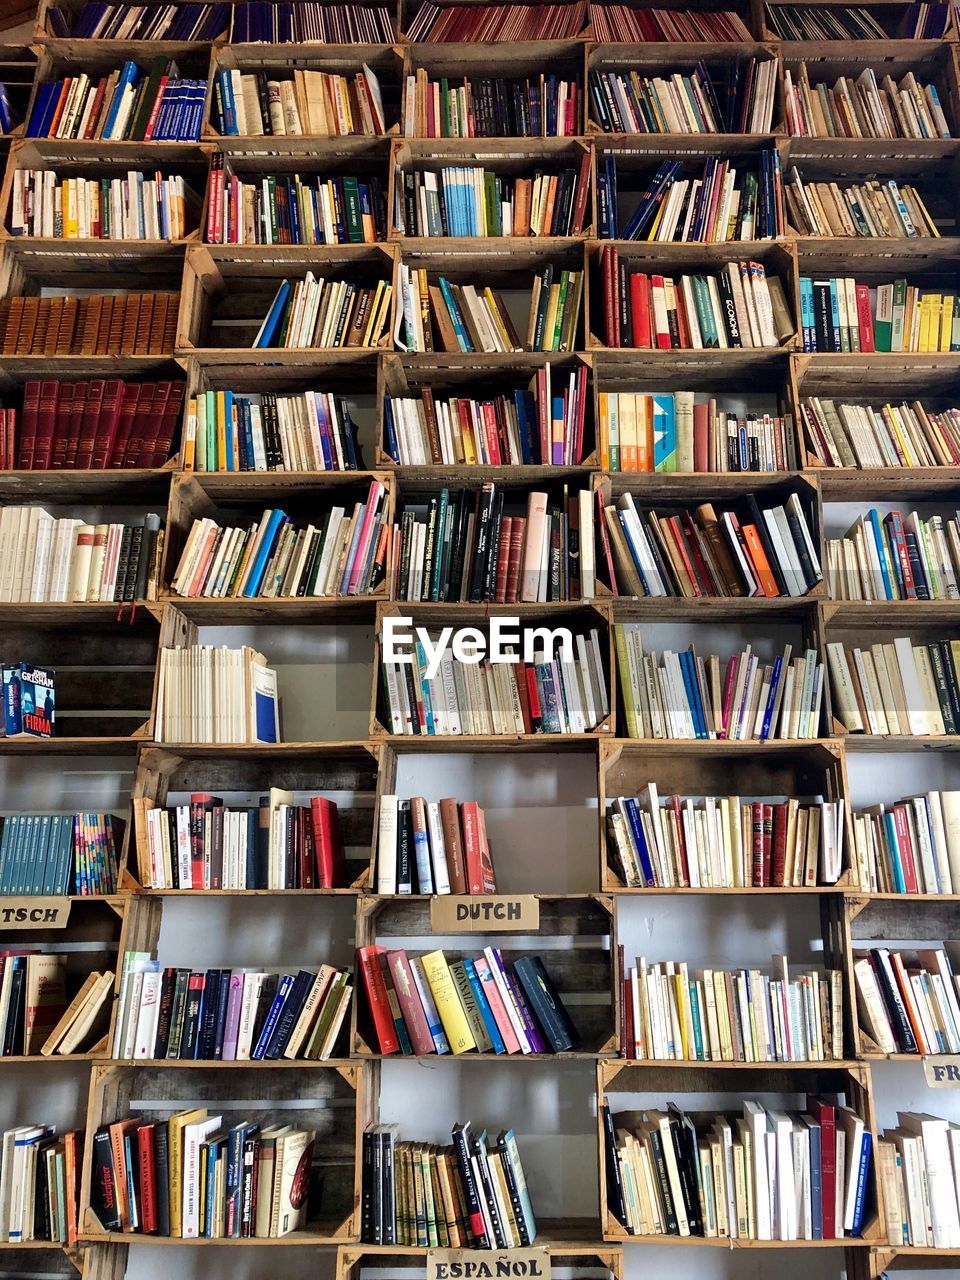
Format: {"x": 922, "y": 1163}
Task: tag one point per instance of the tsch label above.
{"x": 34, "y": 913}
{"x": 484, "y": 913}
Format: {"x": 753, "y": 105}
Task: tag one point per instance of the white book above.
{"x": 387, "y": 845}
{"x": 193, "y": 1136}
{"x": 146, "y": 1032}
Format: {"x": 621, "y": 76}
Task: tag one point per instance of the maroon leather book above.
{"x": 106, "y": 428}
{"x": 171, "y": 417}
{"x": 28, "y": 425}
{"x": 80, "y": 451}
{"x": 140, "y": 424}
{"x": 70, "y": 393}
{"x": 46, "y": 421}
{"x": 81, "y": 393}
{"x": 150, "y": 425}
{"x": 129, "y": 408}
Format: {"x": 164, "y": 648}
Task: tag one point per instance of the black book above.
{"x": 916, "y": 566}
{"x": 168, "y": 985}
{"x": 663, "y": 1179}
{"x": 208, "y": 1015}
{"x": 513, "y": 1190}
{"x": 822, "y": 317}
{"x": 13, "y": 1032}
{"x": 471, "y": 1192}
{"x": 250, "y": 1147}
{"x": 493, "y": 547}
{"x": 482, "y": 542}
{"x": 407, "y": 524}
{"x": 544, "y": 999}
{"x": 220, "y": 1024}
{"x": 103, "y": 1187}
{"x": 795, "y": 523}
{"x": 367, "y": 1233}
{"x": 293, "y": 1007}
{"x": 896, "y": 1009}
{"x": 123, "y": 563}
{"x": 376, "y": 1184}
{"x": 615, "y": 1200}
{"x": 458, "y": 550}
{"x": 405, "y": 859}
{"x": 953, "y": 688}
{"x": 178, "y": 1015}
{"x": 389, "y": 1207}
{"x": 407, "y": 675}
{"x": 161, "y": 1160}
{"x": 478, "y": 1150}
{"x": 623, "y": 304}
{"x": 685, "y": 1147}
{"x": 148, "y": 543}
{"x": 191, "y": 1019}
{"x": 41, "y": 1197}
{"x": 450, "y": 520}
{"x": 730, "y": 321}
{"x": 942, "y": 688}
{"x": 430, "y": 548}
{"x": 553, "y": 565}
{"x": 262, "y": 842}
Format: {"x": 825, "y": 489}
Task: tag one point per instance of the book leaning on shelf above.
{"x": 99, "y": 21}
{"x": 494, "y": 545}
{"x": 838, "y": 314}
{"x": 910, "y": 845}
{"x": 200, "y": 1178}
{"x": 739, "y": 306}
{"x": 745, "y": 550}
{"x": 682, "y": 696}
{"x": 458, "y": 1196}
{"x": 551, "y": 695}
{"x": 46, "y": 559}
{"x": 98, "y": 324}
{"x": 774, "y": 1175}
{"x": 488, "y": 107}
{"x": 723, "y": 841}
{"x": 917, "y": 1165}
{"x": 314, "y": 312}
{"x": 893, "y": 557}
{"x": 275, "y": 844}
{"x": 862, "y": 108}
{"x": 85, "y": 1021}
{"x": 736, "y": 97}
{"x": 542, "y": 424}
{"x": 486, "y": 1002}
{"x": 39, "y": 1184}
{"x": 908, "y": 1001}
{"x": 135, "y": 207}
{"x": 317, "y": 104}
{"x": 59, "y": 854}
{"x": 243, "y": 709}
{"x": 436, "y": 24}
{"x": 738, "y": 1015}
{"x": 254, "y": 431}
{"x": 897, "y": 688}
{"x": 856, "y": 22}
{"x": 129, "y": 105}
{"x": 433, "y": 847}
{"x": 227, "y": 1015}
{"x": 892, "y": 435}
{"x": 342, "y": 555}
{"x": 873, "y": 208}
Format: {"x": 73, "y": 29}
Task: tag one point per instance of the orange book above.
{"x": 906, "y": 993}
{"x": 548, "y": 206}
{"x": 58, "y": 110}
{"x": 758, "y": 558}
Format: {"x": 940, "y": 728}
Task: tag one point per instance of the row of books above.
{"x": 918, "y": 1166}
{"x": 245, "y": 708}
{"x": 460, "y": 1196}
{"x": 908, "y": 1002}
{"x": 743, "y": 551}
{"x": 708, "y": 209}
{"x": 275, "y": 844}
{"x": 911, "y": 846}
{"x": 739, "y": 306}
{"x": 541, "y": 425}
{"x": 566, "y": 694}
{"x": 683, "y": 696}
{"x": 895, "y": 558}
{"x": 621, "y": 22}
{"x": 253, "y": 22}
{"x": 862, "y": 108}
{"x": 462, "y": 200}
{"x": 762, "y": 1175}
{"x": 202, "y": 1179}
{"x": 39, "y": 1197}
{"x": 33, "y": 996}
{"x": 317, "y": 104}
{"x": 721, "y": 842}
{"x": 315, "y": 312}
{"x": 46, "y": 559}
{"x": 103, "y": 423}
{"x": 284, "y": 209}
{"x": 135, "y": 207}
{"x": 250, "y": 431}
{"x": 121, "y": 21}
{"x": 892, "y": 435}
{"x": 548, "y": 106}
{"x": 678, "y": 431}
{"x": 129, "y": 105}
{"x": 227, "y": 1015}
{"x": 872, "y": 208}
{"x": 98, "y": 324}
{"x": 10, "y": 116}
{"x": 897, "y": 687}
{"x": 838, "y": 314}
{"x": 737, "y": 97}
{"x": 485, "y": 1002}
{"x": 855, "y": 22}
{"x": 29, "y": 701}
{"x": 59, "y": 854}
{"x": 739, "y": 1015}
{"x": 427, "y": 846}
{"x": 440, "y": 24}
{"x": 274, "y": 559}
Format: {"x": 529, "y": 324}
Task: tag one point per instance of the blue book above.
{"x": 525, "y": 405}
{"x": 640, "y": 840}
{"x": 693, "y": 693}
{"x": 889, "y": 827}
{"x": 264, "y": 551}
{"x": 771, "y": 697}
{"x": 60, "y": 869}
{"x": 421, "y": 851}
{"x": 873, "y": 515}
{"x": 388, "y": 429}
{"x": 425, "y": 690}
{"x": 816, "y": 1177}
{"x": 229, "y": 429}
{"x": 271, "y": 324}
{"x": 273, "y": 1017}
{"x": 486, "y": 1013}
{"x": 634, "y": 554}
{"x": 229, "y": 103}
{"x": 835, "y": 314}
{"x": 129, "y": 75}
{"x": 8, "y": 842}
{"x": 664, "y": 433}
{"x": 861, "y": 1194}
{"x": 12, "y": 701}
{"x": 456, "y": 319}
{"x": 807, "y": 322}
{"x": 40, "y": 109}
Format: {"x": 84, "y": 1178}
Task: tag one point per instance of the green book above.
{"x": 561, "y": 307}
{"x": 272, "y": 200}
{"x": 883, "y": 324}
{"x": 351, "y": 200}
{"x": 141, "y": 117}
{"x": 899, "y": 314}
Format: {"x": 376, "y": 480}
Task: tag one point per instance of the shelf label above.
{"x": 34, "y": 913}
{"x": 485, "y": 913}
{"x": 943, "y": 1071}
{"x": 488, "y": 1264}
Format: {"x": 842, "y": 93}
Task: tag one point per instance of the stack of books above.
{"x": 547, "y": 106}
{"x": 732, "y": 1015}
{"x": 484, "y": 1002}
{"x": 897, "y": 688}
{"x": 33, "y": 997}
{"x": 59, "y": 854}
{"x": 910, "y": 846}
{"x": 244, "y": 708}
{"x": 494, "y": 546}
{"x": 273, "y": 559}
{"x": 621, "y": 22}
{"x": 838, "y": 314}
{"x": 461, "y": 1196}
{"x": 893, "y": 557}
{"x": 227, "y": 1015}
{"x": 854, "y": 22}
{"x": 735, "y": 98}
{"x": 96, "y": 324}
{"x": 862, "y": 108}
{"x": 773, "y": 1175}
{"x": 428, "y": 847}
{"x": 677, "y": 431}
{"x": 741, "y": 551}
{"x": 253, "y": 431}
{"x": 920, "y": 1156}
{"x": 129, "y": 105}
{"x": 738, "y": 306}
{"x": 541, "y": 425}
{"x": 99, "y": 21}
{"x": 436, "y": 24}
{"x": 275, "y": 844}
{"x": 284, "y": 209}
{"x": 48, "y": 560}
{"x": 315, "y": 312}
{"x": 892, "y": 435}
{"x": 40, "y": 1195}
{"x": 908, "y": 1001}
{"x": 135, "y": 207}
{"x": 307, "y": 21}
{"x": 561, "y": 695}
{"x": 724, "y": 842}
{"x": 683, "y": 696}
{"x": 872, "y": 208}
{"x": 315, "y": 104}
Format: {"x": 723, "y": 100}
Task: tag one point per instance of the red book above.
{"x": 864, "y": 318}
{"x": 533, "y": 696}
{"x": 503, "y": 560}
{"x": 767, "y": 843}
{"x": 640, "y": 308}
{"x": 523, "y": 694}
{"x": 46, "y": 421}
{"x": 905, "y": 845}
{"x": 95, "y": 109}
{"x": 605, "y": 544}
{"x": 28, "y": 425}
{"x": 518, "y": 528}
{"x": 490, "y": 430}
{"x": 151, "y": 426}
{"x": 894, "y": 526}
{"x": 611, "y": 307}
{"x": 410, "y": 1004}
{"x": 701, "y": 437}
{"x": 476, "y": 851}
{"x": 148, "y": 1178}
{"x": 129, "y": 408}
{"x": 69, "y": 397}
{"x": 71, "y": 435}
{"x": 201, "y": 803}
{"x": 329, "y": 843}
{"x": 826, "y": 1117}
{"x": 141, "y": 423}
{"x": 80, "y": 451}
{"x": 756, "y": 828}
{"x": 377, "y": 1001}
{"x": 105, "y": 431}
{"x": 168, "y": 426}
{"x": 673, "y": 524}
{"x": 681, "y": 841}
{"x": 583, "y": 190}
{"x": 543, "y": 415}
{"x": 779, "y": 845}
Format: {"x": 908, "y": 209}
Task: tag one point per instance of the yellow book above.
{"x": 902, "y": 438}
{"x": 551, "y": 323}
{"x": 221, "y": 431}
{"x": 604, "y": 433}
{"x": 448, "y": 1002}
{"x": 496, "y": 319}
{"x": 71, "y": 227}
{"x": 946, "y": 321}
{"x": 683, "y": 1013}
{"x": 190, "y": 435}
{"x": 926, "y": 307}
{"x": 175, "y": 1127}
{"x": 468, "y": 439}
